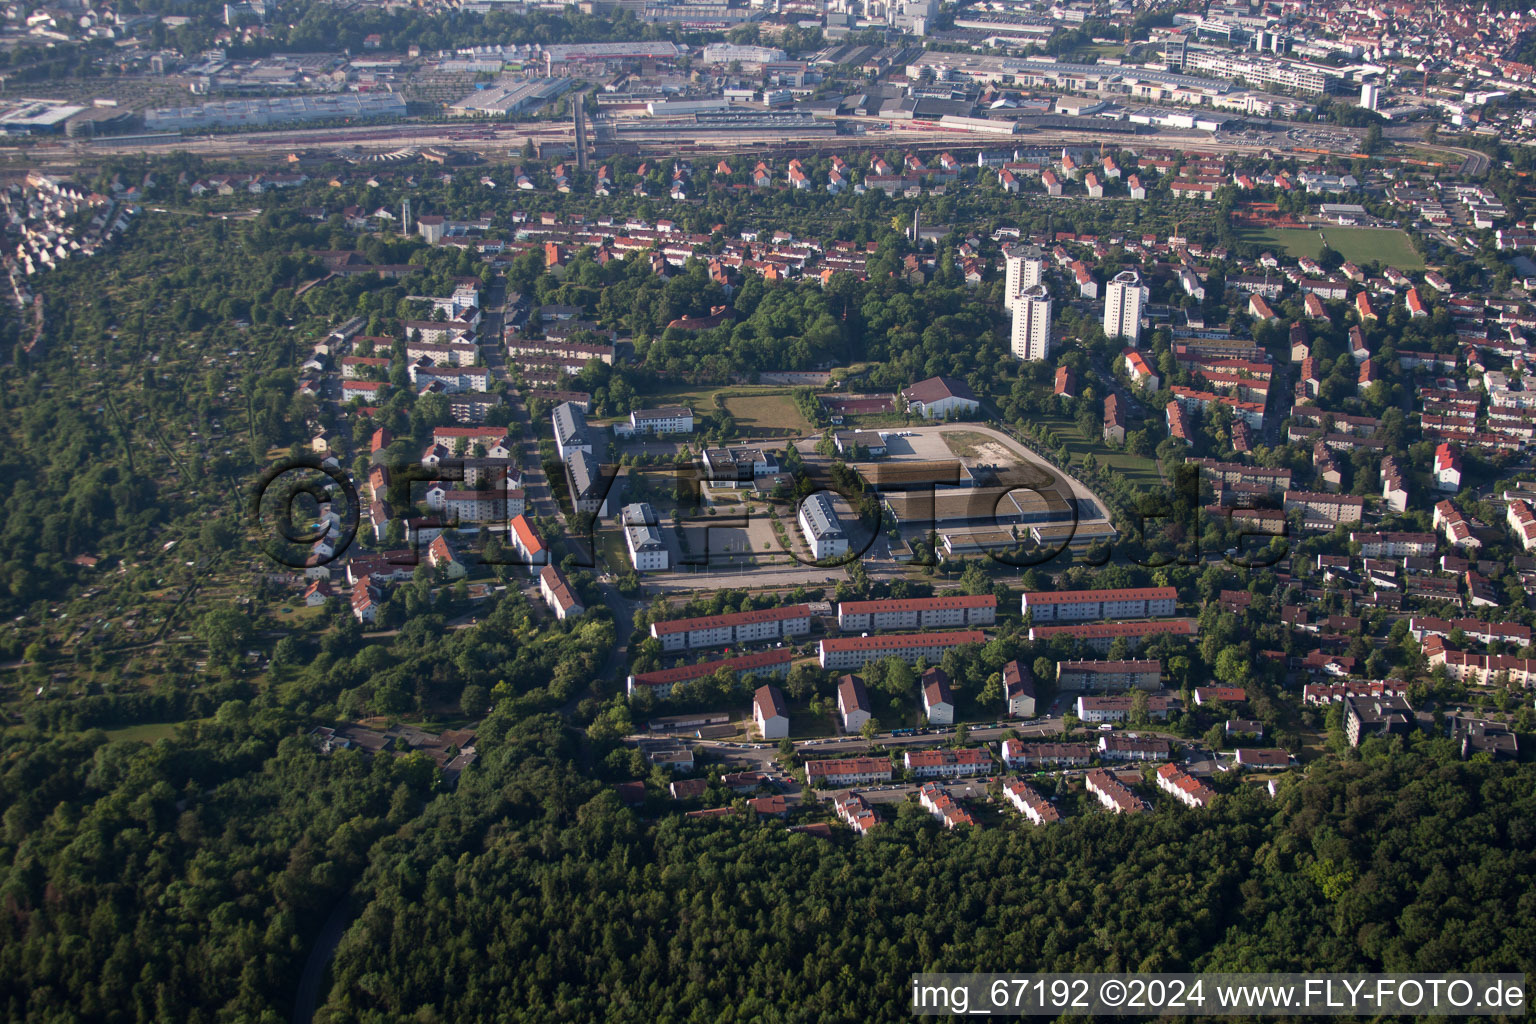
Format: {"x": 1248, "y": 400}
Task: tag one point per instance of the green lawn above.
{"x": 759, "y": 412}
{"x": 610, "y": 546}
{"x": 1357, "y": 245}
{"x": 1138, "y": 470}
{"x": 767, "y": 415}
{"x": 148, "y": 732}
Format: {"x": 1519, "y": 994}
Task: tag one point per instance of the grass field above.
{"x": 1138, "y": 470}
{"x": 770, "y": 412}
{"x": 610, "y": 545}
{"x": 1357, "y": 245}
{"x": 767, "y": 416}
{"x": 146, "y": 733}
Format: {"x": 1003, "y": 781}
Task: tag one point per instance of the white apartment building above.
{"x": 852, "y": 703}
{"x": 736, "y": 628}
{"x": 1032, "y": 324}
{"x": 855, "y": 651}
{"x": 1025, "y": 268}
{"x": 647, "y": 551}
{"x": 917, "y": 613}
{"x": 670, "y": 420}
{"x": 1081, "y": 605}
{"x": 1123, "y": 301}
{"x": 823, "y": 530}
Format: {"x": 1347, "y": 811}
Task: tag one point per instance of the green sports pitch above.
{"x": 1388, "y": 246}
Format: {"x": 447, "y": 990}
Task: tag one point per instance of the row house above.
{"x": 855, "y": 811}
{"x": 942, "y": 806}
{"x": 1113, "y": 794}
{"x": 1028, "y": 802}
{"x": 1019, "y": 754}
{"x": 661, "y": 681}
{"x": 1522, "y": 523}
{"x": 1458, "y": 532}
{"x": 1479, "y": 669}
{"x": 1133, "y": 747}
{"x": 934, "y": 764}
{"x": 1183, "y": 787}
{"x": 848, "y": 771}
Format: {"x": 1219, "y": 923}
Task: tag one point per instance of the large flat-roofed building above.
{"x": 857, "y": 651}
{"x": 918, "y": 612}
{"x": 731, "y": 466}
{"x": 735, "y": 628}
{"x": 1376, "y": 716}
{"x": 985, "y": 506}
{"x": 822, "y": 528}
{"x": 1109, "y": 675}
{"x": 1123, "y": 302}
{"x": 642, "y": 536}
{"x": 661, "y": 681}
{"x": 1082, "y": 605}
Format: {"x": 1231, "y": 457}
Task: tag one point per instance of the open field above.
{"x": 699, "y": 399}
{"x": 148, "y": 732}
{"x": 767, "y": 415}
{"x": 1357, "y": 245}
{"x": 760, "y": 413}
{"x": 1138, "y": 470}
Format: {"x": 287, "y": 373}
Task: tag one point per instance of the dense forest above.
{"x": 186, "y": 880}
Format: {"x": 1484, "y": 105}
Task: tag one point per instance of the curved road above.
{"x": 306, "y": 997}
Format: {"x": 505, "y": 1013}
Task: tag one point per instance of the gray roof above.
{"x": 586, "y": 476}
{"x": 570, "y": 425}
{"x": 822, "y": 517}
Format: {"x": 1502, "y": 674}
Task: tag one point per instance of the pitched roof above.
{"x": 936, "y": 389}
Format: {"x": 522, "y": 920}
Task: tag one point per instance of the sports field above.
{"x": 1388, "y": 246}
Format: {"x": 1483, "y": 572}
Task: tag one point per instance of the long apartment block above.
{"x": 856, "y": 651}
{"x": 918, "y": 612}
{"x": 734, "y": 628}
{"x": 1081, "y": 605}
